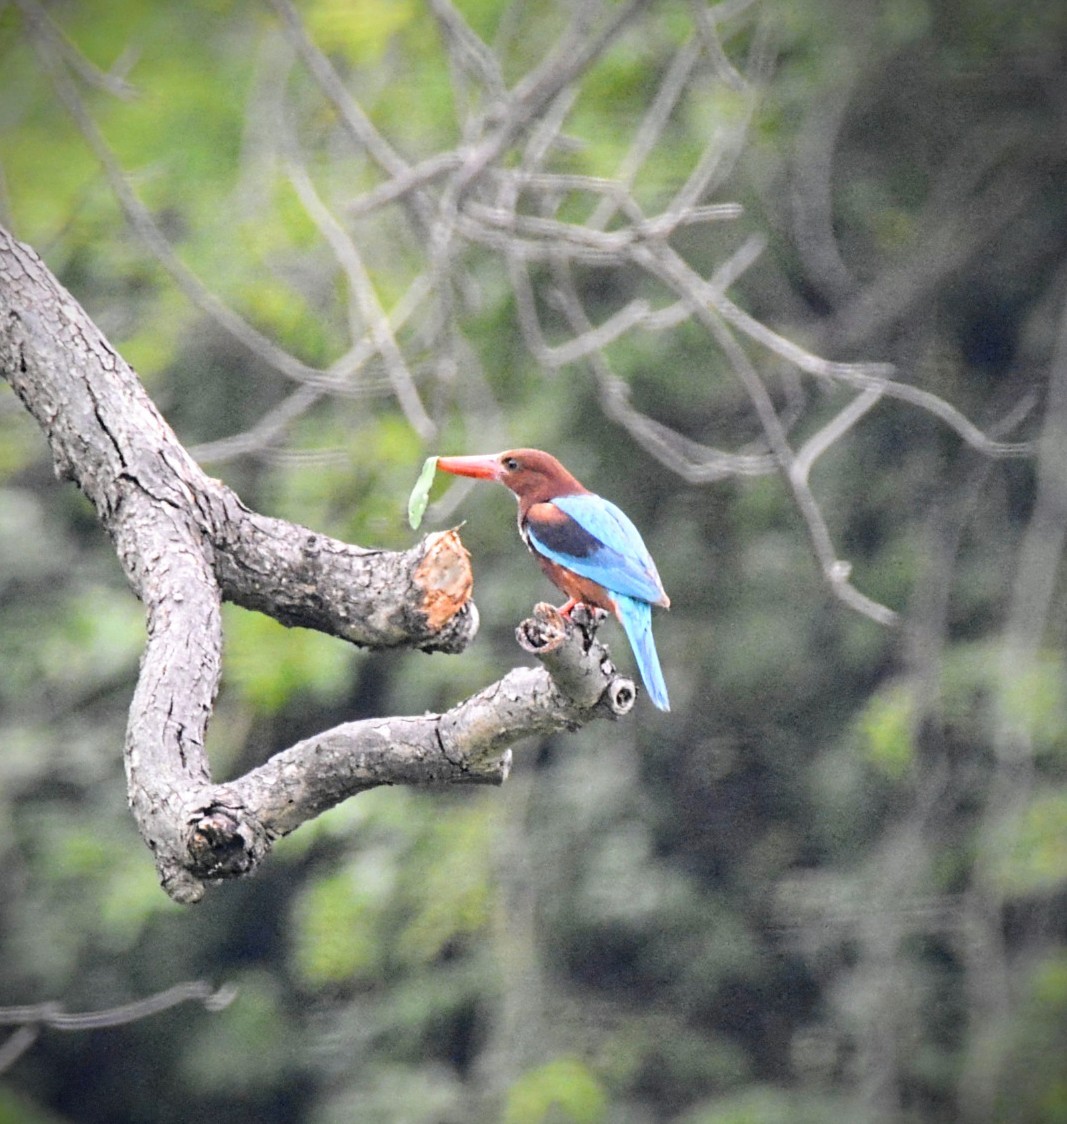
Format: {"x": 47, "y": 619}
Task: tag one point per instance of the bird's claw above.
{"x": 582, "y": 614}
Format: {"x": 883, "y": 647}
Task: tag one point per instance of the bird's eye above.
{"x": 511, "y": 463}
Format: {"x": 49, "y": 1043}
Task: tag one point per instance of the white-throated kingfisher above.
{"x": 585, "y": 544}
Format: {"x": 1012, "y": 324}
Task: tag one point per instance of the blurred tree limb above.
{"x": 186, "y": 543}
{"x": 30, "y": 1021}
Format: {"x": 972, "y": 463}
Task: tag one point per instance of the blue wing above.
{"x": 601, "y": 544}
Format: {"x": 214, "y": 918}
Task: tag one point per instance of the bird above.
{"x": 586, "y": 546}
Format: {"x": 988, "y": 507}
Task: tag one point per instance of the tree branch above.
{"x": 186, "y": 543}
{"x": 31, "y": 1020}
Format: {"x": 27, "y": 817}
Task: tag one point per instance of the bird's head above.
{"x": 533, "y": 476}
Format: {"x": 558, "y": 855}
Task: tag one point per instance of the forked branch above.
{"x": 186, "y": 543}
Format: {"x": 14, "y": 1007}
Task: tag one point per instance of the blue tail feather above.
{"x": 636, "y": 618}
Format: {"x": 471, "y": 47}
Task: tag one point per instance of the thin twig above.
{"x": 31, "y": 1020}
{"x": 355, "y": 121}
{"x": 707, "y": 27}
{"x": 53, "y": 1016}
{"x": 141, "y": 220}
{"x": 467, "y": 51}
{"x": 833, "y": 431}
{"x": 696, "y": 463}
{"x": 366, "y": 298}
{"x": 651, "y": 128}
{"x": 861, "y": 375}
{"x": 676, "y": 273}
{"x": 571, "y": 56}
{"x": 544, "y": 239}
{"x": 111, "y": 81}
{"x": 16, "y": 1044}
{"x": 416, "y": 177}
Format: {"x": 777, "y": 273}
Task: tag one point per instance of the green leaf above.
{"x": 1030, "y": 850}
{"x": 1048, "y": 983}
{"x": 363, "y": 31}
{"x": 885, "y": 731}
{"x": 1034, "y": 701}
{"x": 564, "y": 1089}
{"x": 420, "y": 494}
{"x": 447, "y": 881}
{"x": 337, "y": 923}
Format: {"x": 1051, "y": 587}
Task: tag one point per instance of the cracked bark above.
{"x": 187, "y": 543}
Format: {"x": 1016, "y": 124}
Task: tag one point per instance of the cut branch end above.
{"x": 444, "y": 576}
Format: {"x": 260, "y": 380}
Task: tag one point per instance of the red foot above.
{"x": 565, "y": 610}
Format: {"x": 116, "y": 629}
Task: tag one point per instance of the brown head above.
{"x": 533, "y": 476}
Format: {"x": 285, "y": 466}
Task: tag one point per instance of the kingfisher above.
{"x": 586, "y": 546}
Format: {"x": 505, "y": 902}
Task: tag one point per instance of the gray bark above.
{"x": 186, "y": 543}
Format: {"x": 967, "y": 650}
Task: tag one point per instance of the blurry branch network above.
{"x": 504, "y": 188}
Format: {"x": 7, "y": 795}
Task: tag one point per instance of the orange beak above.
{"x": 482, "y": 468}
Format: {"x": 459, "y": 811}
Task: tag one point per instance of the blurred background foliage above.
{"x": 832, "y": 882}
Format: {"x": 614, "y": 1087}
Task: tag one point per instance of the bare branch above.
{"x": 694, "y": 462}
{"x": 370, "y": 308}
{"x": 53, "y": 1016}
{"x": 269, "y": 429}
{"x": 141, "y": 220}
{"x": 835, "y": 571}
{"x": 707, "y": 25}
{"x": 500, "y": 188}
{"x": 675, "y": 272}
{"x": 572, "y": 54}
{"x": 608, "y": 246}
{"x": 396, "y": 189}
{"x": 833, "y": 431}
{"x": 111, "y": 81}
{"x": 272, "y": 425}
{"x": 186, "y": 542}
{"x": 469, "y": 55}
{"x": 358, "y": 124}
{"x": 651, "y": 128}
{"x": 861, "y": 375}
{"x": 16, "y": 1044}
{"x": 32, "y": 1020}
{"x": 231, "y": 827}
